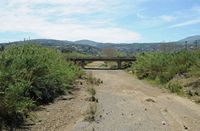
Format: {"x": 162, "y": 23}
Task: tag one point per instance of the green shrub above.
{"x": 175, "y": 87}
{"x": 195, "y": 69}
{"x": 31, "y": 75}
{"x": 74, "y": 54}
{"x": 91, "y": 91}
{"x": 163, "y": 66}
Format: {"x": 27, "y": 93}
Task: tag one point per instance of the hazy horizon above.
{"x": 107, "y": 21}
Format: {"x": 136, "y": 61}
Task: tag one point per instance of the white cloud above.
{"x": 67, "y": 31}
{"x": 186, "y": 23}
{"x": 167, "y": 18}
{"x": 196, "y": 9}
{"x": 31, "y": 16}
{"x": 187, "y": 18}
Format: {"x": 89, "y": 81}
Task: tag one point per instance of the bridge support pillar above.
{"x": 119, "y": 64}
{"x": 82, "y": 63}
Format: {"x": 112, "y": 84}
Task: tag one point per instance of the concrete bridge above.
{"x": 118, "y": 60}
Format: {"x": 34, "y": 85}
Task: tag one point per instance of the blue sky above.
{"x": 99, "y": 20}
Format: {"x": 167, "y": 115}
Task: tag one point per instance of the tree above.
{"x": 109, "y": 52}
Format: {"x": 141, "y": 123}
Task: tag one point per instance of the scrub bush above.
{"x": 31, "y": 75}
{"x": 163, "y": 66}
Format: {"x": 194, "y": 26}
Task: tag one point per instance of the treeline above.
{"x": 162, "y": 67}
{"x": 75, "y": 54}
{"x": 31, "y": 75}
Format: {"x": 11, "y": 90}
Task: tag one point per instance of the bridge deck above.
{"x": 103, "y": 59}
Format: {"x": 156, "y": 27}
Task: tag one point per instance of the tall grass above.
{"x": 31, "y": 75}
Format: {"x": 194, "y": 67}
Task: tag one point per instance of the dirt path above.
{"x": 124, "y": 104}
{"x": 63, "y": 113}
{"x": 128, "y": 104}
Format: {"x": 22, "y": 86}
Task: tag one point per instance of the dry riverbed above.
{"x": 128, "y": 104}
{"x": 124, "y": 104}
{"x": 63, "y": 113}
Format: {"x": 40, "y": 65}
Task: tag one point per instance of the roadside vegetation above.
{"x": 171, "y": 69}
{"x": 91, "y": 111}
{"x": 74, "y": 54}
{"x": 31, "y": 75}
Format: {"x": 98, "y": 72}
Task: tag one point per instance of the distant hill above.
{"x": 87, "y": 42}
{"x": 66, "y": 46}
{"x": 92, "y": 47}
{"x": 191, "y": 40}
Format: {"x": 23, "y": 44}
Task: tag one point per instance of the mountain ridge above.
{"x": 93, "y": 47}
{"x": 190, "y": 39}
